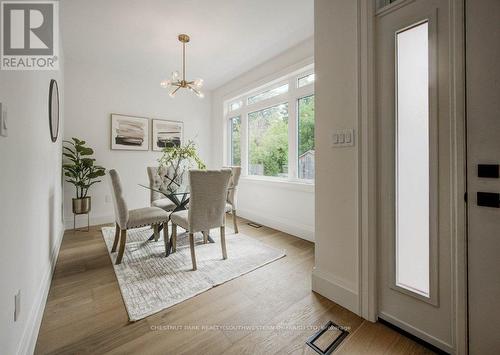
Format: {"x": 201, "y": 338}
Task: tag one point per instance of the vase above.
{"x": 81, "y": 205}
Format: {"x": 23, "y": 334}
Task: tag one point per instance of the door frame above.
{"x": 367, "y": 120}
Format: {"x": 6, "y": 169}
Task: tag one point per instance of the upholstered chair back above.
{"x": 155, "y": 182}
{"x": 233, "y": 184}
{"x": 121, "y": 209}
{"x": 208, "y": 198}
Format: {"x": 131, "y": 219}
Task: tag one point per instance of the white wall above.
{"x": 337, "y": 177}
{"x": 285, "y": 206}
{"x": 93, "y": 92}
{"x": 30, "y": 204}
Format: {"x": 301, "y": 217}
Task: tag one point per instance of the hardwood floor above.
{"x": 85, "y": 313}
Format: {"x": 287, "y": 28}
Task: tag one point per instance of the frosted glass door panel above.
{"x": 412, "y": 159}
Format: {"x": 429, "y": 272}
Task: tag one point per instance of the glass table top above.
{"x": 172, "y": 190}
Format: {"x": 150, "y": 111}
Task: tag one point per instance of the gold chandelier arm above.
{"x": 197, "y": 92}
{"x": 192, "y": 88}
{"x": 173, "y": 92}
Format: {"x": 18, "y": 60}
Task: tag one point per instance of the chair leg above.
{"x": 223, "y": 241}
{"x": 191, "y": 245}
{"x": 117, "y": 238}
{"x": 205, "y": 237}
{"x": 235, "y": 222}
{"x": 174, "y": 237}
{"x": 156, "y": 232}
{"x": 165, "y": 237}
{"x": 123, "y": 240}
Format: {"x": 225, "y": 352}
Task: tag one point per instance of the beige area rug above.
{"x": 150, "y": 282}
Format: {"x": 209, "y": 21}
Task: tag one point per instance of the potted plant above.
{"x": 81, "y": 172}
{"x": 175, "y": 162}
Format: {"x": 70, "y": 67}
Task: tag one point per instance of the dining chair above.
{"x": 208, "y": 194}
{"x": 232, "y": 193}
{"x": 155, "y": 182}
{"x": 129, "y": 219}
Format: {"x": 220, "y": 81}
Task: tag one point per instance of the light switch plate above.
{"x": 3, "y": 120}
{"x": 342, "y": 138}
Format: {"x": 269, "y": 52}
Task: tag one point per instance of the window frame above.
{"x": 230, "y": 136}
{"x": 292, "y": 97}
{"x": 311, "y": 181}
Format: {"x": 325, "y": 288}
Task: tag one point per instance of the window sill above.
{"x": 296, "y": 185}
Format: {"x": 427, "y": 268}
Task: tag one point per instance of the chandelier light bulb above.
{"x": 175, "y": 75}
{"x": 198, "y": 83}
{"x": 165, "y": 83}
{"x": 172, "y": 95}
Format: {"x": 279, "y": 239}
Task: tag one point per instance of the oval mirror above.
{"x": 54, "y": 110}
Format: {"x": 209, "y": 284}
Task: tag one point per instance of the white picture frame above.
{"x": 166, "y": 133}
{"x": 129, "y": 132}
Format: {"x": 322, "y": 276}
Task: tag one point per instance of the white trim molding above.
{"x": 335, "y": 289}
{"x": 367, "y": 162}
{"x": 286, "y": 225}
{"x": 458, "y": 224}
{"x": 34, "y": 320}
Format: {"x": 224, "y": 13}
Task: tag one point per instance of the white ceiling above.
{"x": 228, "y": 37}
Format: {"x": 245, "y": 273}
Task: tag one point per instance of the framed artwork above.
{"x": 129, "y": 132}
{"x": 53, "y": 110}
{"x": 166, "y": 134}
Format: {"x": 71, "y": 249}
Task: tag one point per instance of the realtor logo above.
{"x": 30, "y": 38}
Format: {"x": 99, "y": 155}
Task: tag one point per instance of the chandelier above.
{"x": 176, "y": 82}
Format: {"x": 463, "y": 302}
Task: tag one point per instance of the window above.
{"x": 235, "y": 106}
{"x": 412, "y": 160}
{"x": 306, "y": 137}
{"x": 268, "y": 141}
{"x": 235, "y": 129}
{"x": 270, "y": 129}
{"x": 268, "y": 94}
{"x": 305, "y": 80}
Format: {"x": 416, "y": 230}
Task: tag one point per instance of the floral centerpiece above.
{"x": 174, "y": 164}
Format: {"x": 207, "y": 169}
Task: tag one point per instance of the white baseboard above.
{"x": 81, "y": 221}
{"x": 281, "y": 224}
{"x": 34, "y": 319}
{"x": 336, "y": 290}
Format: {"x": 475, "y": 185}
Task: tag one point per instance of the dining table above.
{"x": 179, "y": 194}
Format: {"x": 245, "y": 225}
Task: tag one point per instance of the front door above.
{"x": 414, "y": 157}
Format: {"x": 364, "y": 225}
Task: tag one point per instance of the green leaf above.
{"x": 70, "y": 150}
{"x": 78, "y": 142}
{"x": 96, "y": 174}
{"x": 69, "y": 155}
{"x": 87, "y": 151}
{"x": 84, "y": 150}
{"x": 88, "y": 162}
